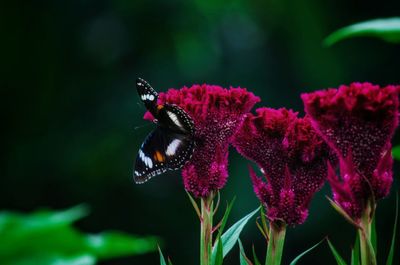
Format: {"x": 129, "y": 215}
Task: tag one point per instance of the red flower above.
{"x": 291, "y": 156}
{"x": 217, "y": 113}
{"x": 357, "y": 121}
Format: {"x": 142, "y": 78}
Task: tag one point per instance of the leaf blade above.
{"x": 389, "y": 260}
{"x": 219, "y": 256}
{"x": 230, "y": 237}
{"x": 355, "y": 252}
{"x": 225, "y": 217}
{"x": 295, "y": 260}
{"x": 242, "y": 255}
{"x": 387, "y": 29}
{"x": 162, "y": 259}
{"x": 338, "y": 258}
{"x": 256, "y": 260}
{"x": 374, "y": 240}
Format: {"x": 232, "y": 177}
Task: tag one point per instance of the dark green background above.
{"x": 69, "y": 106}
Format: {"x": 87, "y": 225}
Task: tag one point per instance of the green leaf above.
{"x": 194, "y": 204}
{"x": 115, "y": 244}
{"x": 48, "y": 259}
{"x": 263, "y": 227}
{"x": 230, "y": 237}
{"x": 256, "y": 260}
{"x": 162, "y": 260}
{"x": 339, "y": 259}
{"x": 264, "y": 221}
{"x": 396, "y": 152}
{"x": 374, "y": 240}
{"x": 219, "y": 255}
{"x": 391, "y": 252}
{"x": 225, "y": 217}
{"x": 242, "y": 255}
{"x": 79, "y": 260}
{"x": 355, "y": 252}
{"x": 40, "y": 220}
{"x": 387, "y": 29}
{"x": 305, "y": 252}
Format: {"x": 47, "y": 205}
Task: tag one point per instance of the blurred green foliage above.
{"x": 396, "y": 152}
{"x": 48, "y": 238}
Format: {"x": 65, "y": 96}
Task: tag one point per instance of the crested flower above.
{"x": 217, "y": 113}
{"x": 292, "y": 157}
{"x": 358, "y": 122}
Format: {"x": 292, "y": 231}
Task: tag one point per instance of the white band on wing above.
{"x": 172, "y": 147}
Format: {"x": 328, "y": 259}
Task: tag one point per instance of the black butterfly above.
{"x": 170, "y": 145}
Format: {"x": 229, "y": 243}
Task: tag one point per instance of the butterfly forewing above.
{"x": 147, "y": 94}
{"x": 176, "y": 119}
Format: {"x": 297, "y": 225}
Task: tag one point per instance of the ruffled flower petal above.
{"x": 292, "y": 157}
{"x": 358, "y": 122}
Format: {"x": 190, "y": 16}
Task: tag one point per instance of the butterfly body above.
{"x": 170, "y": 145}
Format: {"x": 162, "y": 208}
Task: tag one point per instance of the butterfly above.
{"x": 170, "y": 145}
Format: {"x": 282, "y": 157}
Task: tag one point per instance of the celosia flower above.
{"x": 357, "y": 121}
{"x": 217, "y": 113}
{"x": 292, "y": 157}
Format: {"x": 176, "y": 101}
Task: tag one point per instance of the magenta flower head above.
{"x": 292, "y": 157}
{"x": 217, "y": 113}
{"x": 357, "y": 121}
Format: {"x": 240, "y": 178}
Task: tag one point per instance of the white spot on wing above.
{"x": 147, "y": 97}
{"x": 174, "y": 118}
{"x": 149, "y": 162}
{"x": 146, "y": 160}
{"x": 172, "y": 147}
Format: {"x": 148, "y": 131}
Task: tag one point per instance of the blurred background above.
{"x": 69, "y": 106}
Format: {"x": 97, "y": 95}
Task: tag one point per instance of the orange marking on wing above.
{"x": 159, "y": 107}
{"x": 159, "y": 157}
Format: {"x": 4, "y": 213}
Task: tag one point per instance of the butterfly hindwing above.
{"x": 179, "y": 150}
{"x": 162, "y": 150}
{"x": 146, "y": 166}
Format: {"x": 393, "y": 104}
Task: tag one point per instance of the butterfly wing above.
{"x": 176, "y": 119}
{"x": 147, "y": 94}
{"x": 162, "y": 150}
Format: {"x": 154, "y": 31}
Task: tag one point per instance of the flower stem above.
{"x": 206, "y": 223}
{"x": 277, "y": 234}
{"x": 367, "y": 250}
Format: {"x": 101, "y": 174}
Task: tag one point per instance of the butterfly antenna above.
{"x": 141, "y": 126}
{"x": 141, "y": 105}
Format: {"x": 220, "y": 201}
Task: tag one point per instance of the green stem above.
{"x": 277, "y": 234}
{"x": 206, "y": 224}
{"x": 366, "y": 248}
